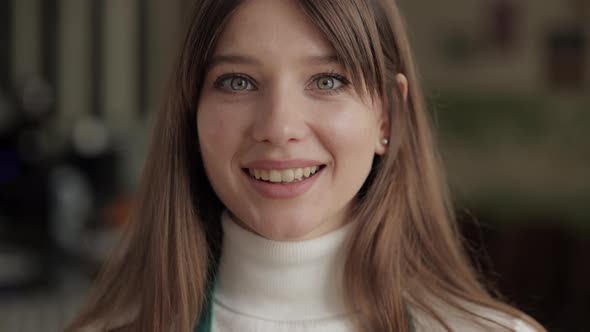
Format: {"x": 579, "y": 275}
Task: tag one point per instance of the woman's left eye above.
{"x": 327, "y": 83}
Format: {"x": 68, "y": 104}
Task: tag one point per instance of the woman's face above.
{"x": 286, "y": 141}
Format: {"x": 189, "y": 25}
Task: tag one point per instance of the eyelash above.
{"x": 343, "y": 80}
{"x": 218, "y": 84}
{"x": 345, "y": 83}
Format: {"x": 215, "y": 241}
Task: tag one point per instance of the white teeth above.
{"x": 298, "y": 173}
{"x": 275, "y": 176}
{"x": 288, "y": 175}
{"x": 284, "y": 175}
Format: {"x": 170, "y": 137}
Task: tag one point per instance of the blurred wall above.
{"x": 490, "y": 45}
{"x": 508, "y": 84}
{"x": 121, "y": 50}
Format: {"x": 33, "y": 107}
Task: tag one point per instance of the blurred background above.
{"x": 507, "y": 82}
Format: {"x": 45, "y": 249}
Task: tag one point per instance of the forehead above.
{"x": 270, "y": 30}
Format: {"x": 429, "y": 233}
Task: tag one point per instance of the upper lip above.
{"x": 282, "y": 164}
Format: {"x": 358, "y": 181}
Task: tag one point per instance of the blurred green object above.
{"x": 518, "y": 159}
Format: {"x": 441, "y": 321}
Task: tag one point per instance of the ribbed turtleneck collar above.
{"x": 281, "y": 281}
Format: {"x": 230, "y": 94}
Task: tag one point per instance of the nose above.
{"x": 280, "y": 118}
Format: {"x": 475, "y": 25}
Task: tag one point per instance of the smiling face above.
{"x": 286, "y": 141}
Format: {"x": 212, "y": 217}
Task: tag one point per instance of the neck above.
{"x": 287, "y": 281}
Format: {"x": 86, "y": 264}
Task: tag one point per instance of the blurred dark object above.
{"x": 505, "y": 21}
{"x": 541, "y": 268}
{"x": 24, "y": 202}
{"x": 49, "y": 198}
{"x": 567, "y": 58}
{"x": 24, "y": 222}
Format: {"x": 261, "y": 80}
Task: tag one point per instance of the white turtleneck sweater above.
{"x": 264, "y": 285}
{"x": 269, "y": 286}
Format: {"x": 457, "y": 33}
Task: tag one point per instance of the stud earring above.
{"x": 385, "y": 141}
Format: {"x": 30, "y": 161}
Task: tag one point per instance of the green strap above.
{"x": 206, "y": 317}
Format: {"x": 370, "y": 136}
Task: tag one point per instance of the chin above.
{"x": 283, "y": 227}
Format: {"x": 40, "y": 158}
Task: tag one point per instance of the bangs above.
{"x": 350, "y": 27}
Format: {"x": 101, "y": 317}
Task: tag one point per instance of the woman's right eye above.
{"x": 235, "y": 83}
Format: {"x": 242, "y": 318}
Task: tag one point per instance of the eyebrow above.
{"x": 248, "y": 60}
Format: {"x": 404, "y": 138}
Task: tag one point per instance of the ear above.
{"x": 402, "y": 84}
{"x": 383, "y": 121}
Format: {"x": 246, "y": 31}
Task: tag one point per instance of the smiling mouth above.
{"x": 289, "y": 175}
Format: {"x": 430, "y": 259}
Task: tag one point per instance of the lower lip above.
{"x": 283, "y": 190}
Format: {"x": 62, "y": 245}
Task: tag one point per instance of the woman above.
{"x": 292, "y": 185}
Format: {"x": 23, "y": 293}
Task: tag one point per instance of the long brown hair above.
{"x": 406, "y": 250}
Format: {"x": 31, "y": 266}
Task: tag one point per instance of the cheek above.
{"x": 350, "y": 131}
{"x": 349, "y": 135}
{"x": 213, "y": 141}
{"x": 210, "y": 127}
{"x": 219, "y": 130}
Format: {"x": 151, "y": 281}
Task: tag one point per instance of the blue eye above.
{"x": 235, "y": 83}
